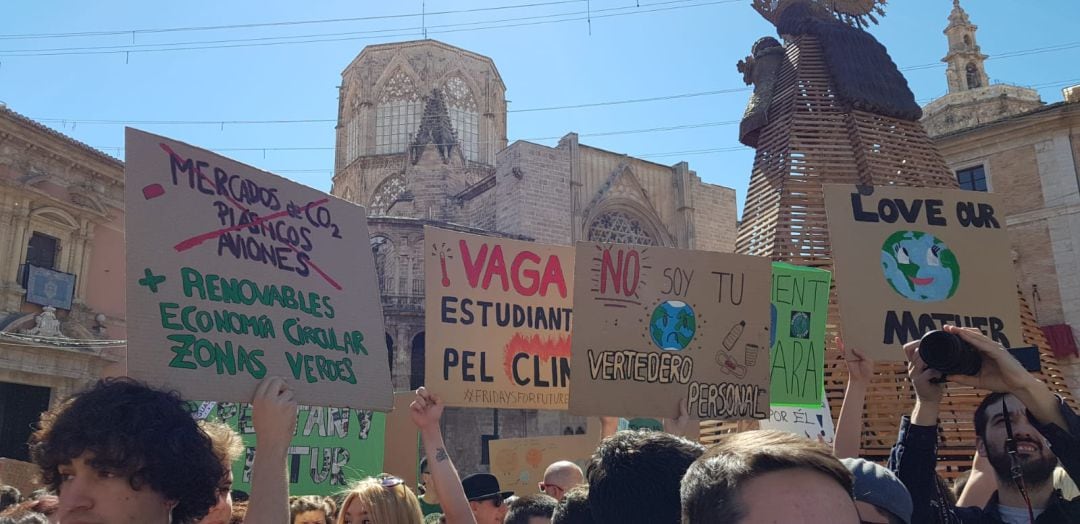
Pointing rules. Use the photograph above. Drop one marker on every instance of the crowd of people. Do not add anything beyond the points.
(123, 452)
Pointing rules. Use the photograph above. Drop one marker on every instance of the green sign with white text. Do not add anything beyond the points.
(332, 447)
(800, 305)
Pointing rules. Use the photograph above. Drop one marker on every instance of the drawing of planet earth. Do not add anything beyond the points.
(919, 266)
(672, 325)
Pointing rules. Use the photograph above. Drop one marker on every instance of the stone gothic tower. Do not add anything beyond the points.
(965, 59)
(395, 99)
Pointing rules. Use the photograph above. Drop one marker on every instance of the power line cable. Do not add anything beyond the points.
(260, 41)
(28, 36)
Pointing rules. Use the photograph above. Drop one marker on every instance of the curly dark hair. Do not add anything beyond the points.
(146, 434)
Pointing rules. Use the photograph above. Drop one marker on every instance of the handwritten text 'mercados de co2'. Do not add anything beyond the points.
(283, 238)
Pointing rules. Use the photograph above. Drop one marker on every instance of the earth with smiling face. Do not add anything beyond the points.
(919, 266)
(672, 325)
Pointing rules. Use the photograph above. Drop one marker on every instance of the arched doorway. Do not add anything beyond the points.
(416, 376)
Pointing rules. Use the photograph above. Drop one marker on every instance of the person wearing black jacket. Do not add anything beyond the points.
(1044, 428)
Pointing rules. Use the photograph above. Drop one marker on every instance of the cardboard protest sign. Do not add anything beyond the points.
(909, 260)
(814, 423)
(800, 305)
(332, 447)
(656, 326)
(498, 320)
(235, 274)
(402, 450)
(24, 476)
(519, 463)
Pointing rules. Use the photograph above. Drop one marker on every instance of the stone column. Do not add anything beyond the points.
(17, 247)
(402, 360)
(86, 243)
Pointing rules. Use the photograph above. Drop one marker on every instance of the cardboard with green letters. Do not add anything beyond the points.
(909, 260)
(800, 305)
(235, 274)
(332, 447)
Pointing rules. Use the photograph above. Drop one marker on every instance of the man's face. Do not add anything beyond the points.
(809, 497)
(1036, 459)
(93, 496)
(221, 513)
(487, 512)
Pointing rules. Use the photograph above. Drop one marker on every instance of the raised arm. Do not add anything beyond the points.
(849, 426)
(274, 417)
(914, 456)
(426, 411)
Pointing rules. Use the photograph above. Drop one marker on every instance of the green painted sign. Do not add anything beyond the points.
(800, 306)
(332, 447)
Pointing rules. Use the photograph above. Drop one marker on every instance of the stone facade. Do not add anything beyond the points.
(1028, 152)
(61, 209)
(454, 174)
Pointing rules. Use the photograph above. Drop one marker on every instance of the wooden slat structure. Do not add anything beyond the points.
(814, 136)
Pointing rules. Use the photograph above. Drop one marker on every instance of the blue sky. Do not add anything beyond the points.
(547, 58)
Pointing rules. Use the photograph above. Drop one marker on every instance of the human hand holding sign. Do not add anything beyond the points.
(929, 387)
(273, 412)
(678, 425)
(426, 410)
(860, 367)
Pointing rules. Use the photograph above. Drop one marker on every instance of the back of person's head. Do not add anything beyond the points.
(712, 484)
(228, 446)
(981, 418)
(574, 508)
(634, 476)
(239, 512)
(522, 510)
(875, 485)
(310, 506)
(146, 435)
(9, 496)
(385, 498)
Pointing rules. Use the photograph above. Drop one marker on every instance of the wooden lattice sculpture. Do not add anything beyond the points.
(830, 106)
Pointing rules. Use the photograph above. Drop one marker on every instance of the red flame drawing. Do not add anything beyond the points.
(558, 346)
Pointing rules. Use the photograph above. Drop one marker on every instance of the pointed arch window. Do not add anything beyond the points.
(973, 79)
(397, 115)
(620, 227)
(464, 117)
(387, 194)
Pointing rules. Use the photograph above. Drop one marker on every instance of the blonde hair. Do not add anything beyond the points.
(225, 441)
(397, 504)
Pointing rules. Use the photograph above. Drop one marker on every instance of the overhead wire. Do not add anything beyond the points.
(361, 35)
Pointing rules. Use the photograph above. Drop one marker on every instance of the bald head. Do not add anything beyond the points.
(560, 477)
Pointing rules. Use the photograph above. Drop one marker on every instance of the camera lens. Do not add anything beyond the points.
(949, 354)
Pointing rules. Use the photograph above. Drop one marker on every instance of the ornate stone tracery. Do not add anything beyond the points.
(620, 226)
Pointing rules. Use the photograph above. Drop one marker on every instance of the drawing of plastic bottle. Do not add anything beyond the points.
(733, 335)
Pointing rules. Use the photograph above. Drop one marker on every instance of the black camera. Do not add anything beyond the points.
(952, 355)
(949, 354)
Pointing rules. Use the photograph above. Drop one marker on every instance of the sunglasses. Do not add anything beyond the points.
(390, 481)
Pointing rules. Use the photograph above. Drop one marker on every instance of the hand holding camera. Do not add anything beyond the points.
(983, 364)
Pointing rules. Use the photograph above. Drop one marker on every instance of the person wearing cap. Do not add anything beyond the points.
(880, 497)
(485, 497)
